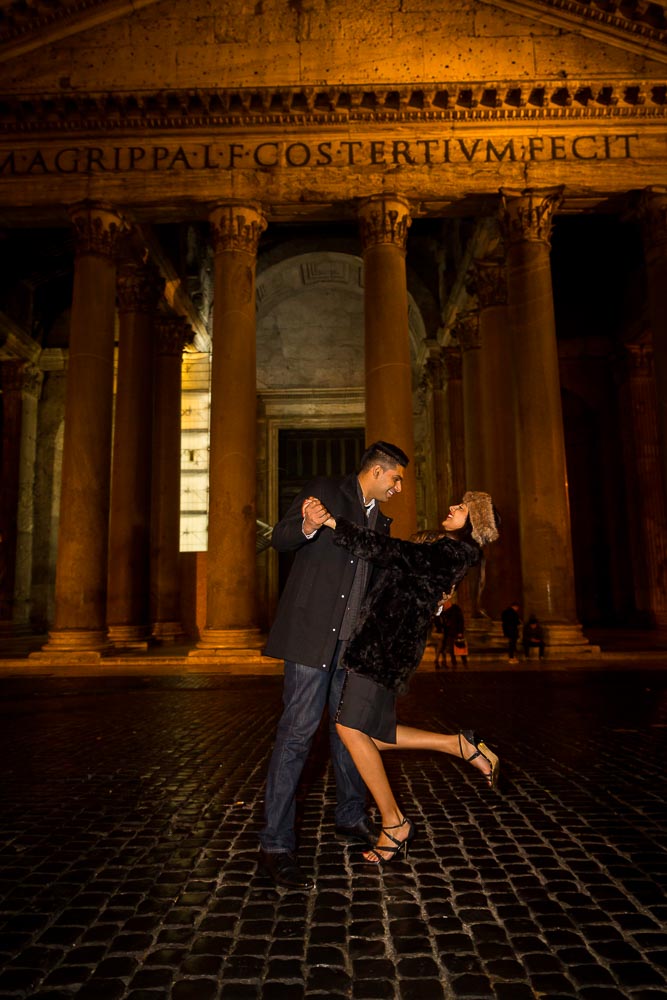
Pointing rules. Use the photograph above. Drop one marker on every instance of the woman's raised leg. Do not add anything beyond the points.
(408, 738)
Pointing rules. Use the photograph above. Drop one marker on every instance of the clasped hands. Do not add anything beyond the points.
(315, 514)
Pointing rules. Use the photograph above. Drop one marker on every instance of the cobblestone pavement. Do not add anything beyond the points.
(129, 812)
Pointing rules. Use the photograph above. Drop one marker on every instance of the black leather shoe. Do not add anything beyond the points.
(363, 832)
(283, 869)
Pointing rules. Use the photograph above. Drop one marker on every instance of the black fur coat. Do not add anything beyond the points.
(394, 621)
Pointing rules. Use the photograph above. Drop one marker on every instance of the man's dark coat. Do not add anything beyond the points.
(396, 613)
(311, 608)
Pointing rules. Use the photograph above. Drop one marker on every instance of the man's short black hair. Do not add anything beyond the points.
(384, 454)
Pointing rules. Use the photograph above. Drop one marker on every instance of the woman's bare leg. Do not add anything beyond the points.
(366, 756)
(408, 738)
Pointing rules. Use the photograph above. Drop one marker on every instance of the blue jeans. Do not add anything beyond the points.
(305, 694)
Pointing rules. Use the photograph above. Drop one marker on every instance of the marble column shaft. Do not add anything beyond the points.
(467, 335)
(436, 383)
(12, 375)
(645, 494)
(499, 475)
(384, 222)
(453, 392)
(128, 601)
(653, 212)
(81, 573)
(171, 334)
(546, 546)
(231, 569)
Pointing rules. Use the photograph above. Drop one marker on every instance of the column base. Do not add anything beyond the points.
(565, 642)
(129, 637)
(485, 635)
(73, 645)
(237, 645)
(15, 630)
(168, 633)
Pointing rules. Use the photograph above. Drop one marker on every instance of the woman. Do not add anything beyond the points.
(388, 644)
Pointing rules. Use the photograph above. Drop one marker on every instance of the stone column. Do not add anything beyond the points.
(171, 335)
(433, 385)
(653, 212)
(384, 222)
(231, 566)
(453, 389)
(544, 516)
(497, 420)
(30, 392)
(21, 383)
(81, 573)
(128, 600)
(645, 494)
(48, 484)
(466, 332)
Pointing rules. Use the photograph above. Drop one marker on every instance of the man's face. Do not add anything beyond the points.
(385, 483)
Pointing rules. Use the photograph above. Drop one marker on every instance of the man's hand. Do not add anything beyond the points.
(314, 515)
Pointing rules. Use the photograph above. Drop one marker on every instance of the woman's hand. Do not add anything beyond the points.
(315, 515)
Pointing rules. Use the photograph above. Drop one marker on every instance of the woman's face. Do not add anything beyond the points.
(456, 518)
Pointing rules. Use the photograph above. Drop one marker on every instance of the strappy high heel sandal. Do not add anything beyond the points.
(481, 750)
(400, 845)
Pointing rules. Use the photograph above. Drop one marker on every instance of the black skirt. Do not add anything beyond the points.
(368, 707)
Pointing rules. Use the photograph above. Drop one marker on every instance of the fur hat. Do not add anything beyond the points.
(482, 516)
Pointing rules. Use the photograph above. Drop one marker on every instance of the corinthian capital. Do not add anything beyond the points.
(140, 286)
(653, 213)
(489, 279)
(20, 376)
(638, 359)
(236, 226)
(384, 219)
(467, 330)
(97, 229)
(527, 216)
(433, 374)
(172, 334)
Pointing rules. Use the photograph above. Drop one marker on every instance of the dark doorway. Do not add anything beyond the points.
(304, 454)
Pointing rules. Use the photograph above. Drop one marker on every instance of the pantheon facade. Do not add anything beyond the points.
(240, 240)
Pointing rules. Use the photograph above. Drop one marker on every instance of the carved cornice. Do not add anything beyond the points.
(170, 110)
(236, 227)
(489, 279)
(172, 334)
(527, 216)
(384, 219)
(97, 229)
(139, 287)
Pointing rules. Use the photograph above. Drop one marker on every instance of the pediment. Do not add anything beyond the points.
(637, 26)
(26, 27)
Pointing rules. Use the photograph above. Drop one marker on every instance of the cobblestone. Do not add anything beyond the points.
(129, 812)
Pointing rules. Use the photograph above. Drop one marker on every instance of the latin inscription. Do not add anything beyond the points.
(85, 159)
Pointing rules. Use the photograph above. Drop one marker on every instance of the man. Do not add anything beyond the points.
(511, 620)
(316, 615)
